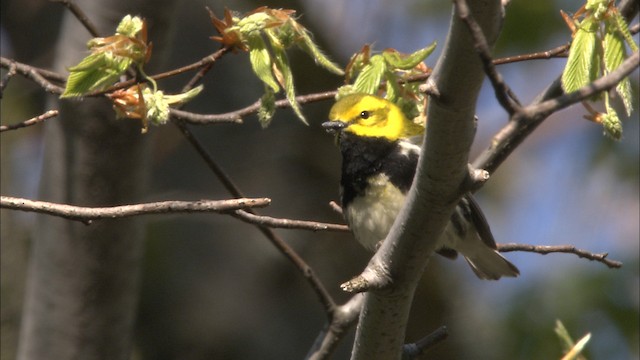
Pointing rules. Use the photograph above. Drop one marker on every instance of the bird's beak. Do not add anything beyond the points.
(334, 126)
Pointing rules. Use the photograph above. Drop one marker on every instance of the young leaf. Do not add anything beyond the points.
(282, 64)
(267, 107)
(575, 351)
(584, 59)
(570, 349)
(611, 122)
(261, 61)
(368, 81)
(614, 54)
(623, 28)
(308, 46)
(130, 26)
(95, 72)
(407, 62)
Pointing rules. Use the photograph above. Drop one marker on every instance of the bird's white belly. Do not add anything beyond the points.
(371, 216)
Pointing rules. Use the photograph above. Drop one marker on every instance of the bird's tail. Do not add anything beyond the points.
(469, 233)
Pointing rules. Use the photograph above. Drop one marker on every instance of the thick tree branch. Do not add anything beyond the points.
(87, 214)
(436, 190)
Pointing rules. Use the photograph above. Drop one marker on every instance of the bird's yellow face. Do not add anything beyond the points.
(371, 116)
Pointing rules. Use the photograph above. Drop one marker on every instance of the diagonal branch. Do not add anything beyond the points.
(503, 93)
(323, 295)
(523, 123)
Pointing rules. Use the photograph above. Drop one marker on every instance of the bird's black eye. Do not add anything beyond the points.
(364, 115)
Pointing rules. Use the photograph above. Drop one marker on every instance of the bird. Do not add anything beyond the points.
(380, 149)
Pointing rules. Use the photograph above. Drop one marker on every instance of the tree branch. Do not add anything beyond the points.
(287, 223)
(87, 214)
(80, 15)
(436, 189)
(417, 349)
(570, 249)
(524, 122)
(342, 319)
(323, 295)
(33, 74)
(503, 93)
(203, 119)
(33, 121)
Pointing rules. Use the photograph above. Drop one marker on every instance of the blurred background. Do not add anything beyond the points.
(214, 287)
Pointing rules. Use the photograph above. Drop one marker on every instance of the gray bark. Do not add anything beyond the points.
(437, 188)
(82, 282)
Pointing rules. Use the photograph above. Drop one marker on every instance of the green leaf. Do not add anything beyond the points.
(95, 72)
(369, 79)
(261, 61)
(282, 64)
(308, 46)
(130, 26)
(623, 28)
(584, 59)
(267, 107)
(250, 26)
(157, 106)
(565, 339)
(408, 62)
(183, 97)
(394, 91)
(611, 122)
(598, 8)
(614, 54)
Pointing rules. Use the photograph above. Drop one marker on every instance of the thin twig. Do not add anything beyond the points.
(287, 223)
(34, 120)
(204, 62)
(503, 93)
(32, 73)
(547, 249)
(323, 295)
(604, 83)
(523, 123)
(201, 119)
(253, 108)
(417, 349)
(7, 77)
(560, 51)
(80, 15)
(86, 214)
(306, 270)
(341, 320)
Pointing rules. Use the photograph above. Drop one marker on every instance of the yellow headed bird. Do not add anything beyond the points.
(379, 161)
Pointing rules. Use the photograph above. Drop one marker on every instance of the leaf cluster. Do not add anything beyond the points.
(598, 48)
(266, 34)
